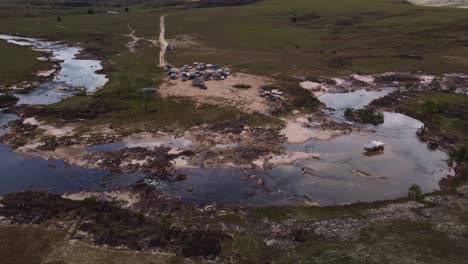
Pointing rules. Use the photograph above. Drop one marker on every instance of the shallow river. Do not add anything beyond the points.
(405, 161)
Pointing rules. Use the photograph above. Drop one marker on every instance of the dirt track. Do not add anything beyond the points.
(162, 41)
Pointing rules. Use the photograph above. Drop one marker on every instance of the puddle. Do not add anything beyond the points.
(75, 73)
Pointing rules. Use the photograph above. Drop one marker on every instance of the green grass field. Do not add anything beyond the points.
(329, 37)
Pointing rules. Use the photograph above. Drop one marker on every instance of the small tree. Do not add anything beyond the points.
(429, 109)
(294, 18)
(414, 192)
(348, 112)
(457, 156)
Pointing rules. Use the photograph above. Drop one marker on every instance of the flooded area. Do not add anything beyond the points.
(345, 173)
(341, 173)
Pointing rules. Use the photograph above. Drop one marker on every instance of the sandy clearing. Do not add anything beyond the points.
(440, 3)
(222, 92)
(181, 163)
(50, 130)
(29, 147)
(364, 78)
(145, 137)
(162, 41)
(426, 79)
(299, 131)
(74, 154)
(125, 196)
(315, 88)
(46, 73)
(286, 159)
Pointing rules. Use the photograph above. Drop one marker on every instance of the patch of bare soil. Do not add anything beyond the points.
(301, 128)
(223, 92)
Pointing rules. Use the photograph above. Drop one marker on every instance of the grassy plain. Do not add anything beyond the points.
(329, 37)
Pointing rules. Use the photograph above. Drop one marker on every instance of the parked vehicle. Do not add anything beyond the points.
(374, 146)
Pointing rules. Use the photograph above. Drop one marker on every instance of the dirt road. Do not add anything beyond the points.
(162, 41)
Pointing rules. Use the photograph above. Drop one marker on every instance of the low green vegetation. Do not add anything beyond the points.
(7, 100)
(365, 115)
(18, 64)
(444, 113)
